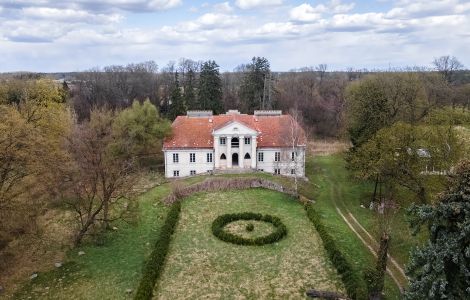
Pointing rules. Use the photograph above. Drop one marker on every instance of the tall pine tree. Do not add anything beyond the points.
(210, 88)
(255, 90)
(177, 105)
(189, 93)
(440, 269)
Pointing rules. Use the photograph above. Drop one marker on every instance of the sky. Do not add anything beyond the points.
(77, 35)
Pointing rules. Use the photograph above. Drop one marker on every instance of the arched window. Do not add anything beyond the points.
(223, 156)
(235, 142)
(247, 156)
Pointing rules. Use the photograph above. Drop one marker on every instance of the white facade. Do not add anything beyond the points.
(234, 148)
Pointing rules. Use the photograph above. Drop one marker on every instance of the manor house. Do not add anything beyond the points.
(267, 141)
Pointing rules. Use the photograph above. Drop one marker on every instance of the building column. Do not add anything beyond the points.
(241, 154)
(229, 152)
(216, 153)
(254, 159)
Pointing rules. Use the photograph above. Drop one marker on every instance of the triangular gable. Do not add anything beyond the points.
(234, 127)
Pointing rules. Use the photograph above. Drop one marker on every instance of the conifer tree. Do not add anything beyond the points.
(440, 268)
(189, 93)
(177, 105)
(210, 88)
(255, 89)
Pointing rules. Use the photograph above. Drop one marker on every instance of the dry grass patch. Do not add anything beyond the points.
(327, 147)
(200, 266)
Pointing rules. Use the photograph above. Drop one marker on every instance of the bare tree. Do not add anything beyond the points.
(292, 156)
(321, 69)
(447, 66)
(98, 176)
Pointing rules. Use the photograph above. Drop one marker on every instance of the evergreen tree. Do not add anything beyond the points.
(440, 268)
(255, 90)
(210, 88)
(189, 94)
(177, 105)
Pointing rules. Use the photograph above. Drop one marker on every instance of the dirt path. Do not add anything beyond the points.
(393, 268)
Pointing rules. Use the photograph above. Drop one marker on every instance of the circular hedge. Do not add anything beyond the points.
(221, 221)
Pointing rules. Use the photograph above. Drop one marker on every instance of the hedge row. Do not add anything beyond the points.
(221, 221)
(353, 283)
(156, 261)
(224, 184)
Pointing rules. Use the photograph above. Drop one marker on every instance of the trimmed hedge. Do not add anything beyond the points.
(355, 286)
(156, 261)
(221, 221)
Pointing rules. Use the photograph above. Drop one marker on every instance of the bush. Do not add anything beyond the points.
(221, 221)
(353, 283)
(156, 261)
(250, 227)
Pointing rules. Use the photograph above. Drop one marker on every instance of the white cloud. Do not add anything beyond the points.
(248, 4)
(69, 15)
(66, 32)
(223, 7)
(338, 7)
(306, 13)
(96, 5)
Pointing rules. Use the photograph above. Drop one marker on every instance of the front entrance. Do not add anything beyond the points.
(235, 160)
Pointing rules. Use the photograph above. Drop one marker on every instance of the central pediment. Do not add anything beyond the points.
(234, 128)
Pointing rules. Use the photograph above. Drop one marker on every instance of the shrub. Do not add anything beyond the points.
(250, 227)
(221, 221)
(224, 184)
(156, 261)
(352, 281)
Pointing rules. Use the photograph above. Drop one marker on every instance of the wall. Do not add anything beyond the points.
(285, 165)
(201, 166)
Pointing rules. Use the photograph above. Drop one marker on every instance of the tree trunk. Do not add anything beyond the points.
(381, 268)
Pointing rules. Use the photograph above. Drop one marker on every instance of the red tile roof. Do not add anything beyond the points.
(196, 132)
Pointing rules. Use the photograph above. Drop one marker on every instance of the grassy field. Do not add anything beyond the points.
(200, 266)
(334, 186)
(107, 271)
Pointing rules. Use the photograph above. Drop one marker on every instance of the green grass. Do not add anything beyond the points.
(333, 183)
(105, 272)
(200, 265)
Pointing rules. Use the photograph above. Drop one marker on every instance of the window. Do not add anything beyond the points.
(235, 142)
(176, 157)
(277, 156)
(292, 171)
(247, 141)
(277, 171)
(223, 141)
(209, 157)
(223, 156)
(192, 157)
(176, 173)
(260, 156)
(293, 156)
(192, 172)
(247, 156)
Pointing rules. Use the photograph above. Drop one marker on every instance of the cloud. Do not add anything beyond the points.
(96, 5)
(69, 15)
(420, 8)
(249, 4)
(223, 7)
(306, 13)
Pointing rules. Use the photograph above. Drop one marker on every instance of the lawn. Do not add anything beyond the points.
(200, 266)
(334, 186)
(107, 271)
